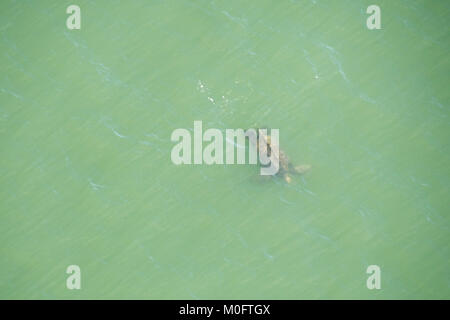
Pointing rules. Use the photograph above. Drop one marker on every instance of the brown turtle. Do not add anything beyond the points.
(286, 168)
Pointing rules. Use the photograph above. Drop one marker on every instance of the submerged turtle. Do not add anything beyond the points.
(285, 167)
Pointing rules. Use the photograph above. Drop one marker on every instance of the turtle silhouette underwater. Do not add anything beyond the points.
(285, 167)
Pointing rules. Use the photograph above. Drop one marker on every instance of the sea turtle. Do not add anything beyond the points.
(285, 167)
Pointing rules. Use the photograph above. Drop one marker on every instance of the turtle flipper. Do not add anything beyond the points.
(302, 168)
(287, 178)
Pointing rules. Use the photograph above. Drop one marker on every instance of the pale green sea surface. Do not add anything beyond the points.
(86, 176)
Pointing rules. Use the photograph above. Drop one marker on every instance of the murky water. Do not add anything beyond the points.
(86, 176)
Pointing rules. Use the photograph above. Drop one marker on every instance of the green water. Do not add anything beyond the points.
(85, 171)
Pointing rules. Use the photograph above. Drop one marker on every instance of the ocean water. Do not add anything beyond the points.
(86, 176)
